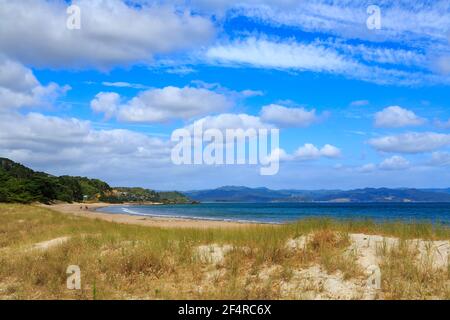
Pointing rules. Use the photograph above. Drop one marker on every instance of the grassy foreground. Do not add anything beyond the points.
(135, 262)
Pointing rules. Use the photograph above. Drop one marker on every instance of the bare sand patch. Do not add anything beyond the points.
(45, 245)
(368, 248)
(213, 253)
(298, 243)
(434, 253)
(316, 284)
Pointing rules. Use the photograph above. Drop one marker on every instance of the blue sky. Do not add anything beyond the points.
(103, 100)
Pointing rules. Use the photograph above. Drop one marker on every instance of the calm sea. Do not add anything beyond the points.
(288, 212)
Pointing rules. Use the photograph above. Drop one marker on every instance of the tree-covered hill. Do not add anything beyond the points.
(21, 184)
(174, 197)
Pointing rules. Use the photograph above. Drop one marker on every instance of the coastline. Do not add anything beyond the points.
(92, 213)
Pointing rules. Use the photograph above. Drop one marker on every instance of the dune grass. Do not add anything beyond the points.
(135, 262)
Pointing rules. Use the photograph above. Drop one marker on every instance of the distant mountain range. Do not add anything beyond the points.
(245, 194)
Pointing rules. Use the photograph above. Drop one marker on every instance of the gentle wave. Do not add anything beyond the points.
(279, 213)
(154, 215)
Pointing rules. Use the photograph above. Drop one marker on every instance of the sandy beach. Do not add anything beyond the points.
(74, 208)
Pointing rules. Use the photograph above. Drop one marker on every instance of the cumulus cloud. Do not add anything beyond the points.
(53, 142)
(112, 32)
(412, 142)
(279, 154)
(230, 121)
(162, 105)
(307, 152)
(330, 151)
(288, 117)
(311, 152)
(31, 139)
(396, 117)
(394, 163)
(389, 164)
(106, 103)
(20, 88)
(250, 126)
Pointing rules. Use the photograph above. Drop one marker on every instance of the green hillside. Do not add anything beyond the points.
(19, 184)
(174, 197)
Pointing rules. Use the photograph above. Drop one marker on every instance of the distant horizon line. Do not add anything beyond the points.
(299, 189)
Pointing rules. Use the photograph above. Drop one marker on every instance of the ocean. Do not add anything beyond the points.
(288, 212)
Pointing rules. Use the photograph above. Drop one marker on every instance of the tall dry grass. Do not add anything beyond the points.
(135, 262)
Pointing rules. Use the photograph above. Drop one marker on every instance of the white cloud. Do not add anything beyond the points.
(278, 154)
(420, 30)
(180, 70)
(240, 126)
(311, 152)
(389, 164)
(112, 32)
(31, 139)
(440, 159)
(442, 64)
(317, 56)
(443, 124)
(288, 117)
(271, 117)
(404, 21)
(383, 55)
(265, 53)
(370, 167)
(231, 121)
(396, 117)
(442, 58)
(330, 151)
(107, 103)
(307, 152)
(252, 93)
(162, 105)
(413, 142)
(394, 163)
(122, 84)
(251, 124)
(359, 103)
(20, 88)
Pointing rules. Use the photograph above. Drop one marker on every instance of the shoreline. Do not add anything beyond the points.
(149, 221)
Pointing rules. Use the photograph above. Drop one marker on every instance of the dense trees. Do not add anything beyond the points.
(21, 184)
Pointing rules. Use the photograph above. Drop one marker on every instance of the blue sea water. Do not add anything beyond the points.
(289, 212)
